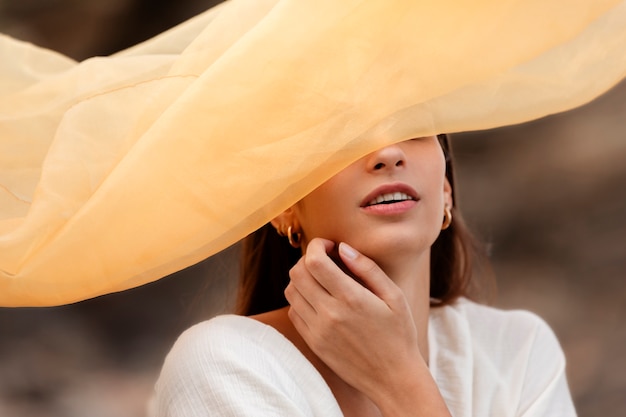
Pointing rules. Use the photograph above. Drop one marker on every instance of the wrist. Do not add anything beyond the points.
(412, 392)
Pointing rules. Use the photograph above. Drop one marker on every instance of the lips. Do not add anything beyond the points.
(389, 194)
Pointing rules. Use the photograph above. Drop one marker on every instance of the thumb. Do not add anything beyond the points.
(368, 272)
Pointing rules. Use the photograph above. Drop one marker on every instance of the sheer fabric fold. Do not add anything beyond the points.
(119, 170)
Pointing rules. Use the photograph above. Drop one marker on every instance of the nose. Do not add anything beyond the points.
(387, 158)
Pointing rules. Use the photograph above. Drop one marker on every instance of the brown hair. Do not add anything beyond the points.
(267, 258)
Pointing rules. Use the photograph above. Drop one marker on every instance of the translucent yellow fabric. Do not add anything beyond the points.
(117, 171)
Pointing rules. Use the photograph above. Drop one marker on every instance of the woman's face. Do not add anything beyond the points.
(387, 202)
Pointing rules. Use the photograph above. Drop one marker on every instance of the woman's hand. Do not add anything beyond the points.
(364, 333)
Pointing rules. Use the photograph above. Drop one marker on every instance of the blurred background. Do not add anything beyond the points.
(547, 197)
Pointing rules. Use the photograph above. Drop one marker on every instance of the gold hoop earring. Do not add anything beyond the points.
(294, 238)
(447, 218)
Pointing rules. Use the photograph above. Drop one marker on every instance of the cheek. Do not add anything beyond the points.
(331, 217)
(315, 216)
(435, 203)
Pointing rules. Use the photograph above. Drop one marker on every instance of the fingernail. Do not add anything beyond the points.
(347, 250)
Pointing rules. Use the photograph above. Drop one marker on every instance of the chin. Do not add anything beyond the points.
(387, 248)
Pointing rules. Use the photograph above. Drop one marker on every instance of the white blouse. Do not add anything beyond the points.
(486, 362)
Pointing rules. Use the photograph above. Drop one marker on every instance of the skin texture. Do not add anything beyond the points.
(364, 276)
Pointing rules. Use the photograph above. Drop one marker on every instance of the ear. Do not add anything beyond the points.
(447, 194)
(284, 220)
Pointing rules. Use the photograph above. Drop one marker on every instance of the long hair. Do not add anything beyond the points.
(267, 258)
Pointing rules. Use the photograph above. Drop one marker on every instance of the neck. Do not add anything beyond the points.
(412, 275)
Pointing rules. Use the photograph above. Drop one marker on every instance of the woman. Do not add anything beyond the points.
(118, 171)
(376, 322)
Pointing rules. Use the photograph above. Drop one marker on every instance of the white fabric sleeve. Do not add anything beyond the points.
(545, 392)
(220, 369)
(489, 362)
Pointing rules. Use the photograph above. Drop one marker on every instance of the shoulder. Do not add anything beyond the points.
(235, 365)
(493, 326)
(209, 349)
(216, 338)
(506, 337)
(219, 333)
(508, 360)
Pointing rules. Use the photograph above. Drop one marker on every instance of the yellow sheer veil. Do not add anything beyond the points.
(119, 170)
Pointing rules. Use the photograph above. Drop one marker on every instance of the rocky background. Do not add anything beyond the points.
(548, 198)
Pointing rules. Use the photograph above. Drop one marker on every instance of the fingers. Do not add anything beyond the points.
(369, 273)
(303, 286)
(305, 293)
(319, 264)
(301, 311)
(317, 271)
(317, 282)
